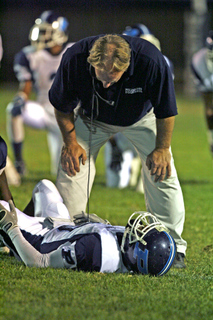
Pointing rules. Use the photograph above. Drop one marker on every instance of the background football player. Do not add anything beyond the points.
(35, 67)
(202, 67)
(123, 166)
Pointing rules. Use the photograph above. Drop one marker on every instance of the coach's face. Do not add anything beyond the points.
(108, 78)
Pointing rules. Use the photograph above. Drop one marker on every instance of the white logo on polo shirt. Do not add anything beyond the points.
(133, 90)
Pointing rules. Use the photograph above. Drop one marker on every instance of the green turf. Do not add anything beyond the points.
(30, 293)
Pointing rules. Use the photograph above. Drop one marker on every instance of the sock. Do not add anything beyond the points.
(17, 149)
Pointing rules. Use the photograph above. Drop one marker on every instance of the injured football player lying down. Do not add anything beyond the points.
(89, 243)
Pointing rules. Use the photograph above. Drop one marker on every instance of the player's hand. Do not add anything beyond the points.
(159, 163)
(8, 218)
(71, 158)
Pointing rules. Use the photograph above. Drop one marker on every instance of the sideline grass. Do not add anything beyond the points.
(31, 293)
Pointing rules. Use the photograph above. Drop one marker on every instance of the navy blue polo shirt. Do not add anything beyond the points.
(3, 153)
(147, 83)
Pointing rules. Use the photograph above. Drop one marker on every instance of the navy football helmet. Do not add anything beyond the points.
(147, 247)
(141, 31)
(49, 30)
(136, 30)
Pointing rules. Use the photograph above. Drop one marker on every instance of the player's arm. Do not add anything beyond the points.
(72, 152)
(24, 76)
(21, 97)
(25, 87)
(28, 254)
(5, 193)
(159, 160)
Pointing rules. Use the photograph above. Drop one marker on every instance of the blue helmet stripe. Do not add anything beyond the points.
(64, 24)
(171, 256)
(132, 32)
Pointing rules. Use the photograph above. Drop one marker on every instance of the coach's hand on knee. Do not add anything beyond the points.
(71, 157)
(159, 164)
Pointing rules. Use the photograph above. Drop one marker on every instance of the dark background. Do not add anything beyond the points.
(165, 19)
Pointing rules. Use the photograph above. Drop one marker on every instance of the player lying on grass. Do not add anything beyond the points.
(143, 246)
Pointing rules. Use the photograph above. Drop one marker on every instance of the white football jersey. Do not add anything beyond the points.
(204, 77)
(40, 67)
(88, 247)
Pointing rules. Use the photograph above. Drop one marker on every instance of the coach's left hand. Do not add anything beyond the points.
(71, 157)
(159, 163)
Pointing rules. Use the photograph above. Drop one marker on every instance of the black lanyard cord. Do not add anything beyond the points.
(94, 103)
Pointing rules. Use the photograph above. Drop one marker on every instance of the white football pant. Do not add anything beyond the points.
(35, 116)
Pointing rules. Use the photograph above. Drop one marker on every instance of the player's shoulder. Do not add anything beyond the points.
(24, 53)
(199, 55)
(29, 49)
(2, 143)
(3, 153)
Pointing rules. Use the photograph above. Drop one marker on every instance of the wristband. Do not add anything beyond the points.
(71, 130)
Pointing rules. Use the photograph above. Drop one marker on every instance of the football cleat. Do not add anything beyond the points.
(179, 261)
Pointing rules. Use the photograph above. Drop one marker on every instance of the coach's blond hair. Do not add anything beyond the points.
(102, 54)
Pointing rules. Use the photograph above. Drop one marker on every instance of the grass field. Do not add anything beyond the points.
(31, 293)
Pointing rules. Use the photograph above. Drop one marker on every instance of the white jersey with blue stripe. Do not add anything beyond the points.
(204, 78)
(39, 66)
(89, 247)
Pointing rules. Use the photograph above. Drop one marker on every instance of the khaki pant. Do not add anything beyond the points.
(163, 199)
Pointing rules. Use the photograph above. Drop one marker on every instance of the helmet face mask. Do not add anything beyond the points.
(48, 31)
(140, 224)
(147, 247)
